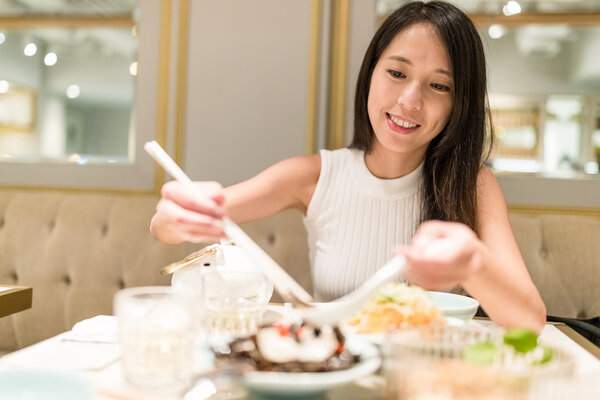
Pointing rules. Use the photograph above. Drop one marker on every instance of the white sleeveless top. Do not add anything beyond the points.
(356, 220)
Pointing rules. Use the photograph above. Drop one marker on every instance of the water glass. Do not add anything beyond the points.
(234, 301)
(156, 337)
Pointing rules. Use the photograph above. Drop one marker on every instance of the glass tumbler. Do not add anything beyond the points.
(234, 301)
(156, 337)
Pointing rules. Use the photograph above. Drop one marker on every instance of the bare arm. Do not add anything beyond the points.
(192, 213)
(287, 184)
(503, 285)
(444, 254)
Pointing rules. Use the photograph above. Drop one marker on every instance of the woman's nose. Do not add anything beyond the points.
(411, 98)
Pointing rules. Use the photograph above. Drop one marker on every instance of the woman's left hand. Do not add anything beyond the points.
(442, 255)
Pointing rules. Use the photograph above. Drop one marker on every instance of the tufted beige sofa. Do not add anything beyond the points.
(76, 250)
(562, 253)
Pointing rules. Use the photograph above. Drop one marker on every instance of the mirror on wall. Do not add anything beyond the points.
(543, 82)
(67, 81)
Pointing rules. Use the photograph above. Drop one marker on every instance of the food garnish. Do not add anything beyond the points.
(396, 306)
(521, 342)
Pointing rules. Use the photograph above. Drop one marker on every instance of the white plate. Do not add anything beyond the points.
(295, 384)
(379, 338)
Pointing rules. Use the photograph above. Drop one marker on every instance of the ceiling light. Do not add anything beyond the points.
(2, 37)
(30, 49)
(4, 86)
(50, 59)
(496, 31)
(511, 8)
(133, 68)
(73, 91)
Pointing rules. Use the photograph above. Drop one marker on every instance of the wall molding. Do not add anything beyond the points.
(338, 73)
(181, 94)
(162, 104)
(576, 19)
(66, 21)
(536, 210)
(314, 78)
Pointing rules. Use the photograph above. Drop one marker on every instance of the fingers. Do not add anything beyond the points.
(441, 254)
(175, 214)
(190, 226)
(201, 197)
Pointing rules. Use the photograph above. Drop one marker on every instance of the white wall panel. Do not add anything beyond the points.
(248, 84)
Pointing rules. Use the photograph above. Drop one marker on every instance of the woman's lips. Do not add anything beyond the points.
(406, 129)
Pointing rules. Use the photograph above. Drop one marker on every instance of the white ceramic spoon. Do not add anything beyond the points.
(348, 305)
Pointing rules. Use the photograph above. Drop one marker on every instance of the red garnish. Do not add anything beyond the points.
(283, 329)
(340, 349)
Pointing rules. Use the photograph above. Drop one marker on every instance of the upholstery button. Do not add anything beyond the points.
(1, 223)
(51, 225)
(67, 280)
(14, 276)
(271, 239)
(104, 229)
(121, 284)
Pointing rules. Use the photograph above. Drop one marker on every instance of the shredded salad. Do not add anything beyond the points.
(395, 306)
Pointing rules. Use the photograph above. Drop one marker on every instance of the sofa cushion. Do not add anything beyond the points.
(562, 254)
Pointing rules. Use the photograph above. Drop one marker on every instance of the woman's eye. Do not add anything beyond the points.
(440, 87)
(396, 74)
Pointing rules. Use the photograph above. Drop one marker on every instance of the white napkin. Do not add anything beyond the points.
(90, 345)
(98, 329)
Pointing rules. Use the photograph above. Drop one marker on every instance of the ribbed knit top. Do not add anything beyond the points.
(355, 221)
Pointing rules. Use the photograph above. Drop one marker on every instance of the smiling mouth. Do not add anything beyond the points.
(401, 122)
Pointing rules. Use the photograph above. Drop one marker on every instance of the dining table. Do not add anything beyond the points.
(95, 356)
(14, 299)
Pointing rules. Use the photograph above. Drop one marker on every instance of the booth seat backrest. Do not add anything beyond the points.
(562, 253)
(78, 249)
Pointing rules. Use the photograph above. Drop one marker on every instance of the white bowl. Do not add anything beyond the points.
(454, 305)
(308, 384)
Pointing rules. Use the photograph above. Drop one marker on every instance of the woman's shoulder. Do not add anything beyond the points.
(486, 179)
(489, 192)
(298, 172)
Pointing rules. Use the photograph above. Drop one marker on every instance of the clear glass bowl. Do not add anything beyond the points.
(429, 363)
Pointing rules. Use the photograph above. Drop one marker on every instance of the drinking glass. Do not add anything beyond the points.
(156, 337)
(234, 301)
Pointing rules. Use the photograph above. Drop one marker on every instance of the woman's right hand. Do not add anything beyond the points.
(189, 213)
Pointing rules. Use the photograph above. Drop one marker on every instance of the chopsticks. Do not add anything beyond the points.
(282, 281)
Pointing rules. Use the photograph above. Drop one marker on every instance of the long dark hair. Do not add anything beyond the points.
(454, 157)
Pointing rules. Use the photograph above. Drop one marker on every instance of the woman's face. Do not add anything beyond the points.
(410, 97)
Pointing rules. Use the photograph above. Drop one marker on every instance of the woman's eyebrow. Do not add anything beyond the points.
(407, 61)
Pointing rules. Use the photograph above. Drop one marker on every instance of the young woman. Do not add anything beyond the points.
(413, 176)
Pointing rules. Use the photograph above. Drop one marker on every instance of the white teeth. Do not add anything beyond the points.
(401, 122)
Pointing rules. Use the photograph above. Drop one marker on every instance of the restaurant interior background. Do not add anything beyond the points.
(229, 87)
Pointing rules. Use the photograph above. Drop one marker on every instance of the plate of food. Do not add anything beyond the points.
(472, 362)
(399, 306)
(300, 360)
